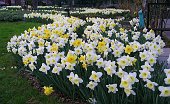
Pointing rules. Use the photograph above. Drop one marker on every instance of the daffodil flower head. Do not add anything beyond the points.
(128, 49)
(95, 76)
(112, 88)
(44, 68)
(92, 85)
(151, 85)
(125, 83)
(48, 90)
(167, 79)
(145, 74)
(129, 91)
(165, 91)
(57, 70)
(167, 71)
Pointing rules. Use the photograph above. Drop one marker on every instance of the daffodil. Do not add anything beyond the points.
(44, 68)
(32, 66)
(92, 85)
(101, 47)
(54, 48)
(110, 71)
(165, 91)
(100, 63)
(132, 77)
(82, 58)
(77, 42)
(125, 83)
(77, 80)
(71, 58)
(129, 91)
(146, 66)
(84, 65)
(151, 60)
(102, 28)
(95, 76)
(143, 55)
(69, 66)
(128, 49)
(167, 80)
(145, 74)
(48, 90)
(121, 73)
(167, 71)
(112, 88)
(74, 78)
(70, 77)
(57, 70)
(151, 85)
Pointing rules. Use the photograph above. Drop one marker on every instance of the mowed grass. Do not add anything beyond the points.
(15, 89)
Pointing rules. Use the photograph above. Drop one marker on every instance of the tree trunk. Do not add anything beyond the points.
(72, 2)
(34, 4)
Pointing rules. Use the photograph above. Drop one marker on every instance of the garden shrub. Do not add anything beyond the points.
(11, 16)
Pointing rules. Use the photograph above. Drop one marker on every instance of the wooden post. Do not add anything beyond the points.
(148, 15)
(35, 4)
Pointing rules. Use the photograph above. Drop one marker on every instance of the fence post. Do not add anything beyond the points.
(148, 16)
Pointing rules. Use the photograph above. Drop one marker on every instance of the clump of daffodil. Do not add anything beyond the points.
(103, 53)
(48, 90)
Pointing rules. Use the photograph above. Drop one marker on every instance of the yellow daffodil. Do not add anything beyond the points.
(128, 49)
(77, 42)
(48, 90)
(71, 58)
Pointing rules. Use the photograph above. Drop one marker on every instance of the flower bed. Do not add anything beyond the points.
(96, 60)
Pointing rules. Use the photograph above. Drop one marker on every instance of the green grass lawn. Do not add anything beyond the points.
(13, 88)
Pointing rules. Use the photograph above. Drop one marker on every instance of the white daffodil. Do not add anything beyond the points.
(121, 73)
(92, 85)
(69, 66)
(132, 77)
(32, 66)
(95, 76)
(112, 88)
(167, 71)
(100, 63)
(110, 71)
(129, 91)
(57, 70)
(143, 55)
(165, 91)
(125, 83)
(71, 77)
(167, 80)
(151, 60)
(44, 68)
(151, 85)
(145, 74)
(77, 80)
(74, 79)
(146, 66)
